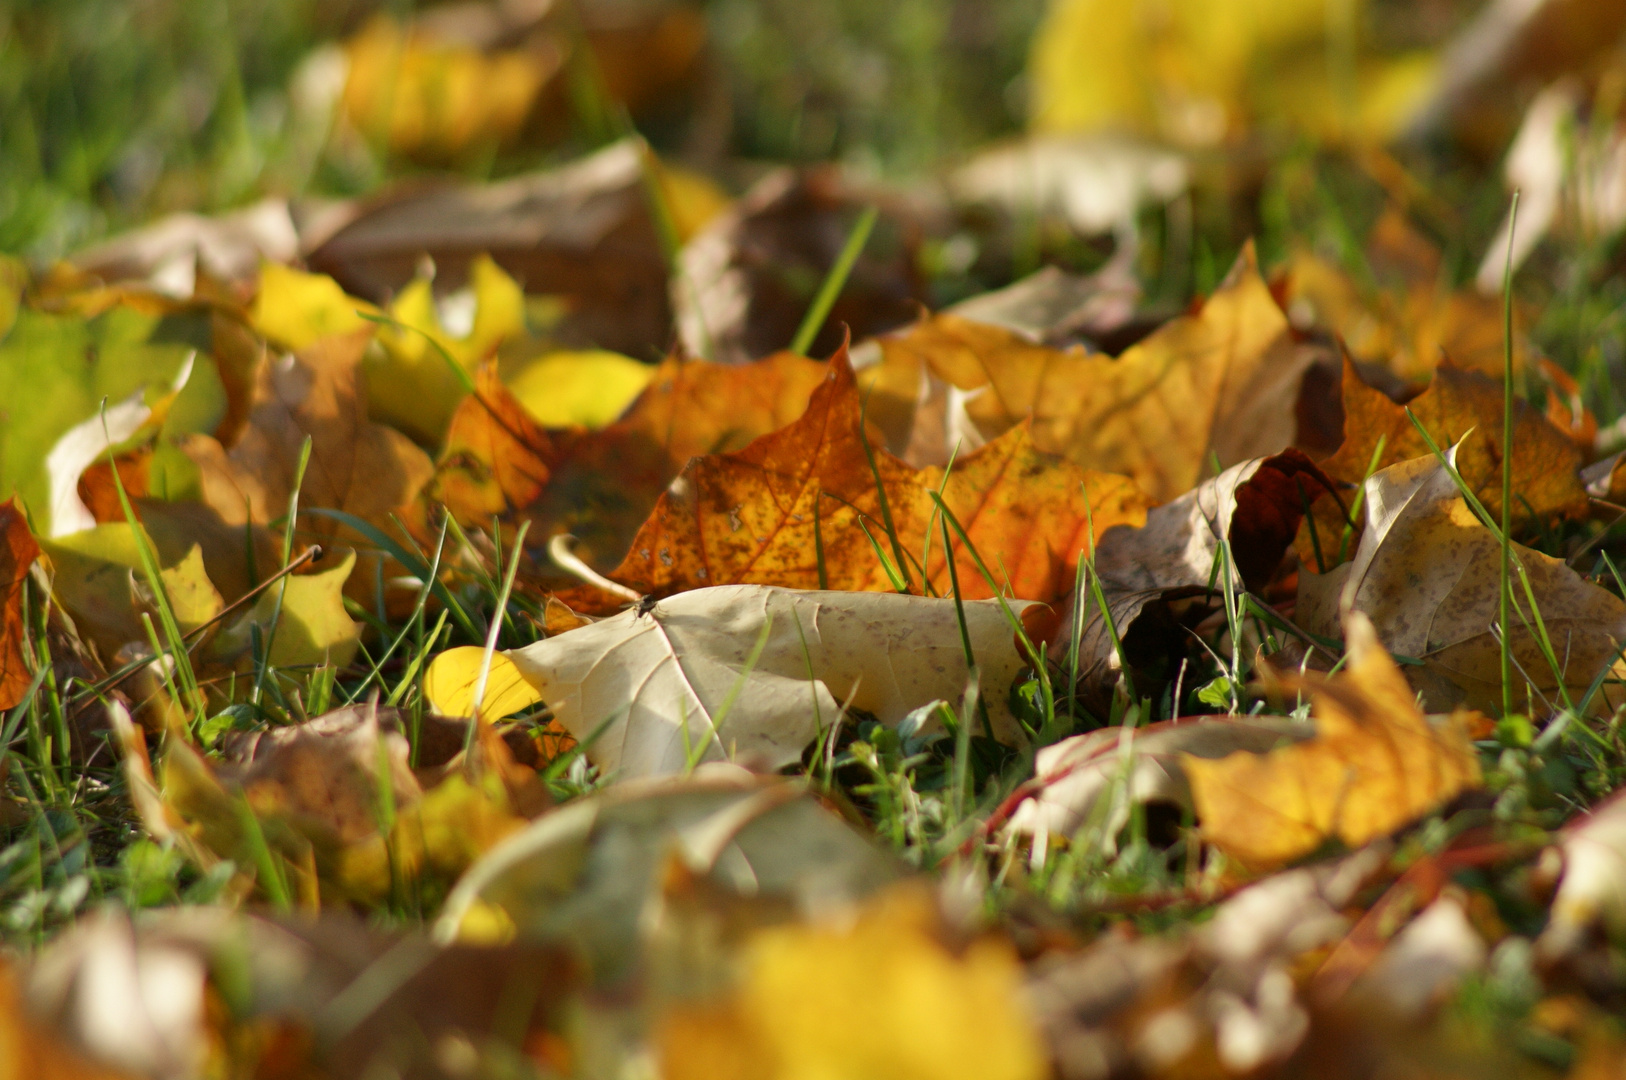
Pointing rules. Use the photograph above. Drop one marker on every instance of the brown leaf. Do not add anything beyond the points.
(765, 513)
(18, 550)
(601, 485)
(1375, 764)
(1223, 380)
(581, 232)
(748, 279)
(1427, 574)
(356, 466)
(1255, 506)
(1546, 462)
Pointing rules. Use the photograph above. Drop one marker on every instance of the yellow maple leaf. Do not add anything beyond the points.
(1375, 764)
(923, 1013)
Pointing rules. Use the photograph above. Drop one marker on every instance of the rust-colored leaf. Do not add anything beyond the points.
(601, 485)
(17, 553)
(765, 513)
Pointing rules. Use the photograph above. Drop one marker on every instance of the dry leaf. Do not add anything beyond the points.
(1404, 321)
(1254, 507)
(1198, 73)
(1592, 891)
(593, 873)
(1223, 381)
(747, 280)
(168, 254)
(1130, 766)
(581, 233)
(1375, 764)
(1427, 575)
(1546, 462)
(676, 685)
(18, 550)
(600, 486)
(926, 1011)
(356, 466)
(765, 514)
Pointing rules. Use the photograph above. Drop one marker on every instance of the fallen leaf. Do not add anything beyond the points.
(1427, 575)
(302, 622)
(926, 1011)
(32, 1049)
(581, 234)
(1134, 766)
(676, 685)
(601, 486)
(1222, 381)
(587, 389)
(1375, 764)
(356, 466)
(168, 254)
(1592, 892)
(296, 309)
(591, 873)
(1195, 74)
(1403, 319)
(1546, 462)
(765, 513)
(1247, 515)
(438, 100)
(18, 550)
(55, 371)
(333, 807)
(747, 279)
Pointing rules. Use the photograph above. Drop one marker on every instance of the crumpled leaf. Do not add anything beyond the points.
(1375, 764)
(1222, 381)
(168, 254)
(1135, 766)
(356, 466)
(1255, 507)
(18, 550)
(926, 1011)
(498, 461)
(1198, 73)
(1546, 462)
(591, 873)
(765, 513)
(1427, 575)
(675, 685)
(336, 805)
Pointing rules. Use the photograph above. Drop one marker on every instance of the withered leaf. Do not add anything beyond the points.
(765, 514)
(357, 466)
(1427, 575)
(1220, 381)
(1375, 764)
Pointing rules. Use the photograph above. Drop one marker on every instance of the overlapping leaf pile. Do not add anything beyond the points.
(1058, 683)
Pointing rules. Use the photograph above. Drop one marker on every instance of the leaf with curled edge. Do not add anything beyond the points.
(765, 513)
(657, 682)
(1223, 380)
(1376, 763)
(1427, 573)
(1255, 506)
